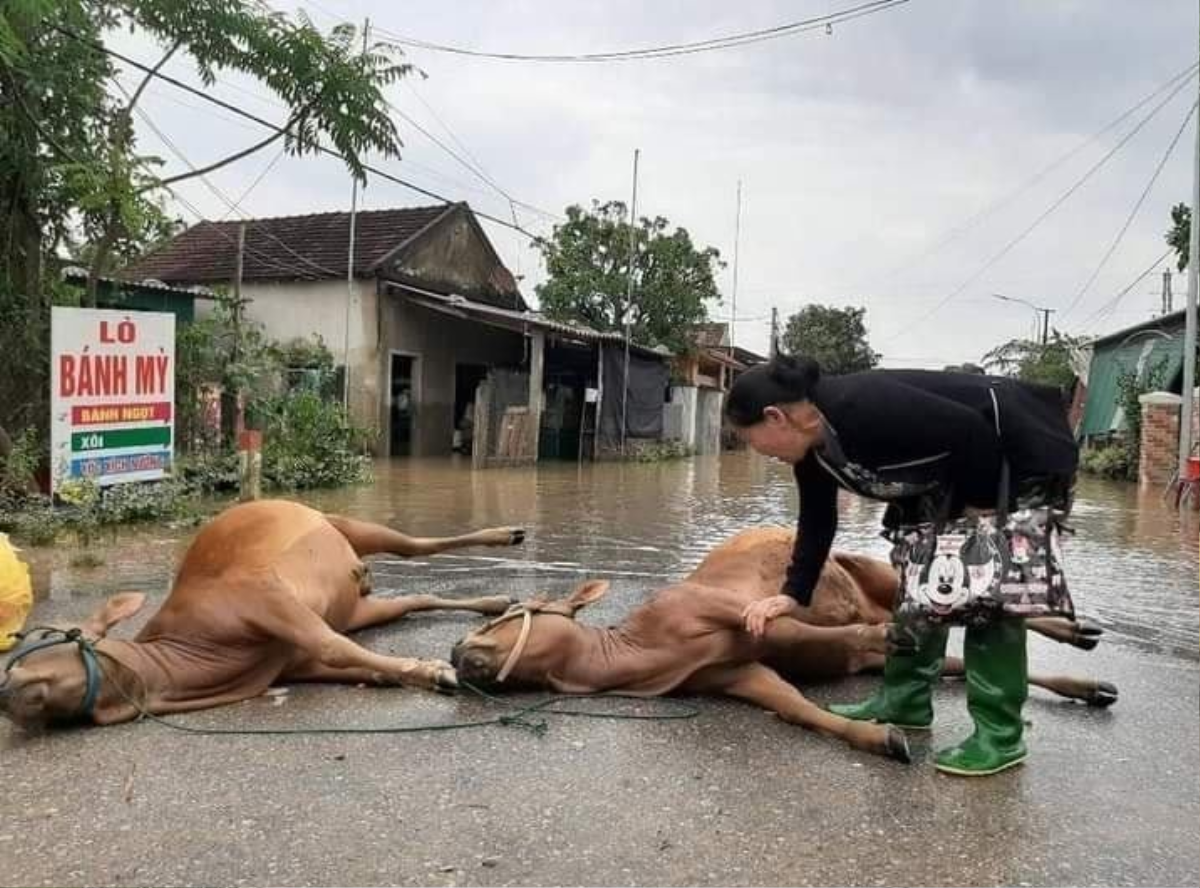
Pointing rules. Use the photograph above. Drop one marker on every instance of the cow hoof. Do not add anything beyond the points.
(1103, 695)
(445, 681)
(897, 745)
(516, 536)
(494, 605)
(1087, 635)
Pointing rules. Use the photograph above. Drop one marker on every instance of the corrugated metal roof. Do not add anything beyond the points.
(79, 276)
(1142, 350)
(518, 319)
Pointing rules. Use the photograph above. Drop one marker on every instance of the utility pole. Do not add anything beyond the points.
(231, 402)
(350, 266)
(737, 237)
(629, 298)
(1045, 324)
(1189, 337)
(1044, 312)
(1167, 296)
(774, 349)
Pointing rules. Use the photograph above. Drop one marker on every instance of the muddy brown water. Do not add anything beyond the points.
(1132, 565)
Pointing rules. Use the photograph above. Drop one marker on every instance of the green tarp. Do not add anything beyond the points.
(1102, 414)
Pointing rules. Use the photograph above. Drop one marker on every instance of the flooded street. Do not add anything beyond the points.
(1132, 565)
(731, 797)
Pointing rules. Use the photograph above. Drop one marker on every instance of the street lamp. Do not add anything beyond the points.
(1044, 312)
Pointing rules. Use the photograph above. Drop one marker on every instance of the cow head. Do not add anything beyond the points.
(527, 644)
(48, 679)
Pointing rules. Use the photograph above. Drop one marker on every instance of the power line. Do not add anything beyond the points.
(174, 149)
(472, 165)
(233, 207)
(1063, 198)
(488, 192)
(727, 41)
(250, 188)
(1112, 248)
(179, 84)
(1000, 203)
(1111, 305)
(476, 171)
(178, 197)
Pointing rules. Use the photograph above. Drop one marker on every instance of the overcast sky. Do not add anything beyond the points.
(858, 152)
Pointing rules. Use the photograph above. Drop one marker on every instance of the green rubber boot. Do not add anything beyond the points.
(906, 698)
(997, 685)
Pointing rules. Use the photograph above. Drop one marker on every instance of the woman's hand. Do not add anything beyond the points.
(758, 614)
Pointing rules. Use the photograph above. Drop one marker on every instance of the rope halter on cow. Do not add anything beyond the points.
(525, 612)
(51, 637)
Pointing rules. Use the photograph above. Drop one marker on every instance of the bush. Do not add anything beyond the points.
(208, 473)
(310, 442)
(86, 509)
(1111, 461)
(18, 468)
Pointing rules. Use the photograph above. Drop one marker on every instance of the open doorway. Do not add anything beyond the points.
(402, 405)
(466, 380)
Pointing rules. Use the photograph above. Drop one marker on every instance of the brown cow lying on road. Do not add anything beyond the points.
(689, 639)
(264, 594)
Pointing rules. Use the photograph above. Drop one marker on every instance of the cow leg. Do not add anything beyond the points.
(757, 684)
(824, 652)
(375, 611)
(1090, 690)
(1078, 634)
(317, 672)
(786, 633)
(284, 617)
(372, 539)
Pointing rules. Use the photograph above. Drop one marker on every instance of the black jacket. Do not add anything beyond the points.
(927, 441)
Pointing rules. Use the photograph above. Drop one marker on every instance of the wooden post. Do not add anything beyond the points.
(537, 362)
(482, 434)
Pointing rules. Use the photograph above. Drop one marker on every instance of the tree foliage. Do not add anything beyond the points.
(1027, 359)
(1180, 233)
(587, 260)
(835, 337)
(72, 181)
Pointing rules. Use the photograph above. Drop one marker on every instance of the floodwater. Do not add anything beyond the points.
(1132, 565)
(730, 797)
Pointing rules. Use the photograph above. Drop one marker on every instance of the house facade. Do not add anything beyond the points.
(428, 319)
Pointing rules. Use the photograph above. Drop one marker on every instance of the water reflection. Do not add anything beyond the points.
(1132, 566)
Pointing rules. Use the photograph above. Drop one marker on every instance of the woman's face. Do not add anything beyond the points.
(785, 432)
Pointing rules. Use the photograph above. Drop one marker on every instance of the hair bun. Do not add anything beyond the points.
(795, 373)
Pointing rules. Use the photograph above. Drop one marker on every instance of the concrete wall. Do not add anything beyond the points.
(438, 342)
(709, 403)
(699, 417)
(454, 256)
(302, 309)
(684, 398)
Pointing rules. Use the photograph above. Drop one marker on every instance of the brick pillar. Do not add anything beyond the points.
(1160, 436)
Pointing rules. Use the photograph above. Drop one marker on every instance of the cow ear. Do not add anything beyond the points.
(120, 607)
(589, 593)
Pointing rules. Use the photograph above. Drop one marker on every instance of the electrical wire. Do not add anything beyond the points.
(822, 22)
(1063, 198)
(1112, 248)
(317, 146)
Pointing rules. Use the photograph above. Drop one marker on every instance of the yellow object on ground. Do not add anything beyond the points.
(16, 593)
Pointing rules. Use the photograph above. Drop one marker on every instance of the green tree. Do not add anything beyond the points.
(1026, 359)
(71, 180)
(587, 260)
(1180, 233)
(835, 337)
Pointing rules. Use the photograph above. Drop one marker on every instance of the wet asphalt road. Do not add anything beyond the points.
(730, 797)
